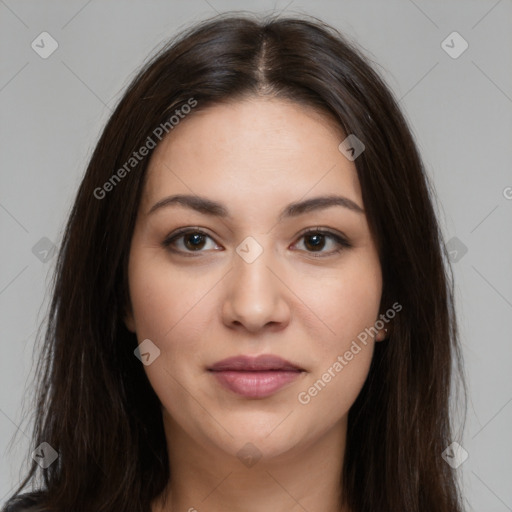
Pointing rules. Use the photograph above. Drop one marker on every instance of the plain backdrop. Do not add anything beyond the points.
(458, 104)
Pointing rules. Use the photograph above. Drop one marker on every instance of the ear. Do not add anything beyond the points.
(383, 334)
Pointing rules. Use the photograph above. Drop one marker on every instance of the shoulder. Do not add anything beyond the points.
(27, 502)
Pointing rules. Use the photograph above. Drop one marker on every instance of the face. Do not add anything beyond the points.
(254, 276)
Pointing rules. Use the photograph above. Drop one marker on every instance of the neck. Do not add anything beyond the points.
(205, 478)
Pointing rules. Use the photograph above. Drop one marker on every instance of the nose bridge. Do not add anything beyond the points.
(251, 273)
(251, 265)
(255, 296)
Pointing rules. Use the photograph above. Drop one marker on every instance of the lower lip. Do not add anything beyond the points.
(256, 384)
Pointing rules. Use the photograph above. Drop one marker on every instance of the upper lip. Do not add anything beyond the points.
(251, 363)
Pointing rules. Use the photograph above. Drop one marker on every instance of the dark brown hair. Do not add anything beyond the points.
(95, 406)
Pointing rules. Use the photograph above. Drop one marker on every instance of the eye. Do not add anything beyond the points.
(315, 241)
(192, 240)
(188, 240)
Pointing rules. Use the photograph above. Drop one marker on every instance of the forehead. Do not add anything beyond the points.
(255, 152)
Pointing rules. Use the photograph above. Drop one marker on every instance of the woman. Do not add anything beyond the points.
(252, 309)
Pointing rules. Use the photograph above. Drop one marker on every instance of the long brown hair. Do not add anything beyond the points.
(95, 406)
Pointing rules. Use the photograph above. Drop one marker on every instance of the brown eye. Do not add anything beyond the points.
(194, 241)
(316, 240)
(188, 241)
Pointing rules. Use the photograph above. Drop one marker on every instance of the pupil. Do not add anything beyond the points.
(319, 241)
(197, 241)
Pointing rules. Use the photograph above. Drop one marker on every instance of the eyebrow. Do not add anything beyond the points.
(216, 209)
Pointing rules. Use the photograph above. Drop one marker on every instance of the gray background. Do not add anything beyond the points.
(460, 110)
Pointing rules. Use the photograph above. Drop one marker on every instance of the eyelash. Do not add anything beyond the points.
(341, 241)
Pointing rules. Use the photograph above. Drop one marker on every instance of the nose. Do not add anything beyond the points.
(256, 296)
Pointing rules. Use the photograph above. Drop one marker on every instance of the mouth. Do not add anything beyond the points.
(255, 377)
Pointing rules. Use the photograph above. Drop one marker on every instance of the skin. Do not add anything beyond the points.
(254, 155)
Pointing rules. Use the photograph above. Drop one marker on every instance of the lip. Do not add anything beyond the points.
(262, 362)
(255, 377)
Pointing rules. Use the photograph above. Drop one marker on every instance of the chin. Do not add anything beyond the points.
(270, 437)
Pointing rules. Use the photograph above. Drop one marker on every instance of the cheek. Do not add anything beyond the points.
(348, 305)
(173, 308)
(346, 302)
(163, 298)
(342, 360)
(170, 309)
(331, 392)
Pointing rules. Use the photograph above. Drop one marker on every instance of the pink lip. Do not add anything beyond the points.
(255, 377)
